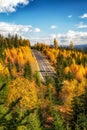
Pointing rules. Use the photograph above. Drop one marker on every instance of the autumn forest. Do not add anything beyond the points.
(28, 103)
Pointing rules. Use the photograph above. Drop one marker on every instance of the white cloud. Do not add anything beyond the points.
(22, 30)
(10, 5)
(37, 30)
(63, 39)
(6, 28)
(81, 25)
(53, 27)
(70, 16)
(78, 37)
(83, 16)
(75, 36)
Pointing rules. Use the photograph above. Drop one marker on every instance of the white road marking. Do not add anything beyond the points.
(44, 66)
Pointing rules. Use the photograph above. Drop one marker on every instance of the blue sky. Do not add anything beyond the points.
(42, 20)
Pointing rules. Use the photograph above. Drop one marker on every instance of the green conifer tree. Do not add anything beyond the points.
(27, 71)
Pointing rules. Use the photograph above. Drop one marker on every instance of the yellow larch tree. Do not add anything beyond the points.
(25, 89)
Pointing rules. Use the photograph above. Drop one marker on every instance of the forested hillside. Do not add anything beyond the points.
(27, 103)
(18, 89)
(70, 65)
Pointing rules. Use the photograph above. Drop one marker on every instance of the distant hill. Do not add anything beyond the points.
(84, 46)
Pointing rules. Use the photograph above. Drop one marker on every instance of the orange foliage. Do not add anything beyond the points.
(20, 55)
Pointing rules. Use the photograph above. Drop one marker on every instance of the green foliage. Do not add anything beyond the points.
(16, 40)
(3, 93)
(69, 76)
(57, 121)
(9, 41)
(67, 61)
(27, 71)
(34, 121)
(4, 88)
(59, 73)
(4, 79)
(37, 78)
(79, 112)
(17, 67)
(12, 41)
(15, 121)
(49, 80)
(10, 118)
(84, 61)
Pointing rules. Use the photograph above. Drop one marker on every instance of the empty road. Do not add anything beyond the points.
(44, 66)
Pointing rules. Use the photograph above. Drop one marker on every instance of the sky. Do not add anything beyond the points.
(44, 20)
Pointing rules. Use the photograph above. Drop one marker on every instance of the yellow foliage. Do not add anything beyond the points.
(21, 55)
(67, 69)
(70, 90)
(78, 70)
(74, 68)
(25, 89)
(1, 67)
(86, 71)
(4, 70)
(82, 69)
(79, 76)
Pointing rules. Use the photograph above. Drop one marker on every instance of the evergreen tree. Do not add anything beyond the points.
(49, 80)
(16, 40)
(27, 42)
(58, 123)
(59, 73)
(78, 119)
(21, 41)
(17, 66)
(2, 46)
(34, 120)
(10, 45)
(27, 71)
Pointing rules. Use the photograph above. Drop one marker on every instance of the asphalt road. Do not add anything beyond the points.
(44, 66)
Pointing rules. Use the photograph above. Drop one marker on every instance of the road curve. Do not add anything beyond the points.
(44, 66)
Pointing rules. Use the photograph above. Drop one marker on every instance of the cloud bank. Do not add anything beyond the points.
(28, 31)
(23, 30)
(10, 5)
(77, 37)
(63, 39)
